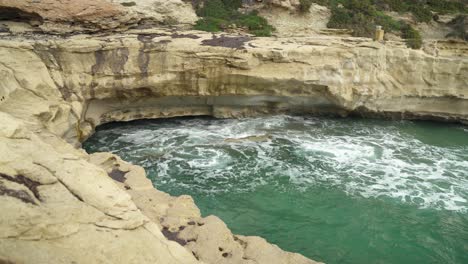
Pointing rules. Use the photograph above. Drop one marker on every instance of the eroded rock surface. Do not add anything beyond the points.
(94, 16)
(62, 16)
(79, 82)
(208, 239)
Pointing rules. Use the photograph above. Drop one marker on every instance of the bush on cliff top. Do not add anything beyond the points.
(412, 37)
(218, 15)
(362, 16)
(459, 29)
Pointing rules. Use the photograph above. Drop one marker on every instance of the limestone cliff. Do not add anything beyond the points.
(62, 205)
(151, 74)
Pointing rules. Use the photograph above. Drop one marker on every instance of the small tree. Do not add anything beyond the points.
(412, 36)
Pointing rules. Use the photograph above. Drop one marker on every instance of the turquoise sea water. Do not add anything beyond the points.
(335, 190)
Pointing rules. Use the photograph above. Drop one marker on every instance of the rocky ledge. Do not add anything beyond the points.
(61, 205)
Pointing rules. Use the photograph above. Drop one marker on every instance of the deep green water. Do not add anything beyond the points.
(335, 190)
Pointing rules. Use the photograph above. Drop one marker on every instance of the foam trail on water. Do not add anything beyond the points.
(362, 158)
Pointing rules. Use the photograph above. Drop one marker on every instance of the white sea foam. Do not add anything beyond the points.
(359, 158)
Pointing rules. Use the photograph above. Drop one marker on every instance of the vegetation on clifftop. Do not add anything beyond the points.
(218, 15)
(362, 16)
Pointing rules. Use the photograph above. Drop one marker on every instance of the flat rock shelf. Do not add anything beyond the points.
(334, 190)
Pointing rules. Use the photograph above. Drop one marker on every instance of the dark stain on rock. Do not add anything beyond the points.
(225, 254)
(201, 224)
(20, 179)
(240, 241)
(115, 59)
(118, 175)
(173, 236)
(227, 42)
(127, 187)
(137, 92)
(221, 249)
(51, 57)
(149, 37)
(20, 194)
(164, 41)
(4, 261)
(100, 61)
(181, 228)
(190, 36)
(143, 61)
(144, 52)
(191, 223)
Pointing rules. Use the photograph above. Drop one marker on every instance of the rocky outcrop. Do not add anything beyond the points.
(65, 16)
(91, 16)
(287, 4)
(208, 239)
(60, 208)
(152, 74)
(65, 205)
(293, 24)
(163, 12)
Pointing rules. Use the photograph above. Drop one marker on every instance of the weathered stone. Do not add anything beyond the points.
(67, 206)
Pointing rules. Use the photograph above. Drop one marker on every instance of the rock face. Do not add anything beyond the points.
(60, 208)
(292, 24)
(169, 12)
(152, 74)
(66, 206)
(71, 16)
(288, 4)
(63, 16)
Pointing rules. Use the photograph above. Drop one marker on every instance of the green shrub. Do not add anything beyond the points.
(304, 5)
(210, 24)
(213, 8)
(219, 14)
(458, 25)
(360, 6)
(340, 18)
(388, 23)
(362, 24)
(421, 13)
(446, 7)
(257, 25)
(412, 37)
(232, 4)
(362, 16)
(393, 5)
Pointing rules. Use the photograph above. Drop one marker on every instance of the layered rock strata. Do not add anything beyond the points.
(91, 16)
(80, 82)
(65, 206)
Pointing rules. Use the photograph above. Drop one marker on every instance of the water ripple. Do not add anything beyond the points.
(417, 163)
